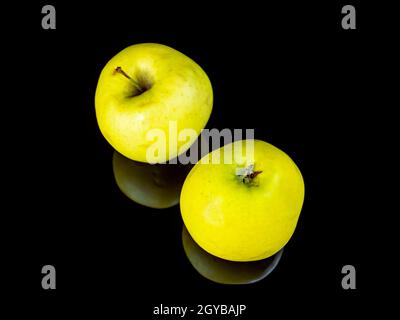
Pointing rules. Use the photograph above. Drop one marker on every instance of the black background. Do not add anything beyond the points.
(287, 70)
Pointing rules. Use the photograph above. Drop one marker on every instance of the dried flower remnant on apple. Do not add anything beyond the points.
(247, 175)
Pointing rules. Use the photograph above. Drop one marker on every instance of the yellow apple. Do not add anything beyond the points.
(149, 86)
(151, 185)
(246, 210)
(224, 271)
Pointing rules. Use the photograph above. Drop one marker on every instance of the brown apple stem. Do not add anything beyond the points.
(120, 71)
(254, 174)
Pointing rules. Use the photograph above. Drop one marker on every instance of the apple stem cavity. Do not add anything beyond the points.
(135, 84)
(247, 174)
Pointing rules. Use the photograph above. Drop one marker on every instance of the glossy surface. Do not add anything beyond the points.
(156, 186)
(316, 91)
(224, 271)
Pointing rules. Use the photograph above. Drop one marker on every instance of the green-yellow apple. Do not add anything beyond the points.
(148, 87)
(245, 209)
(151, 185)
(224, 271)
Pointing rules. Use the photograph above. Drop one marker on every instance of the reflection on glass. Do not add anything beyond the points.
(224, 271)
(151, 185)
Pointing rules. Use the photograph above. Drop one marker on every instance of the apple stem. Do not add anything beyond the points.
(254, 174)
(120, 71)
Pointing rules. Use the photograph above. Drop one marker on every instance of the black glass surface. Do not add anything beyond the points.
(288, 71)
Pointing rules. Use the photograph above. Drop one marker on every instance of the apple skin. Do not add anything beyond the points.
(176, 89)
(152, 185)
(237, 221)
(224, 271)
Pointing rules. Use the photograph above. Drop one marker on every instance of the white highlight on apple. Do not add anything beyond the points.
(162, 143)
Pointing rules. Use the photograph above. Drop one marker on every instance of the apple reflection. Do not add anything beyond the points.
(151, 185)
(224, 271)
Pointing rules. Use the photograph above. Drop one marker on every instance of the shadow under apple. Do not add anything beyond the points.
(224, 271)
(152, 185)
